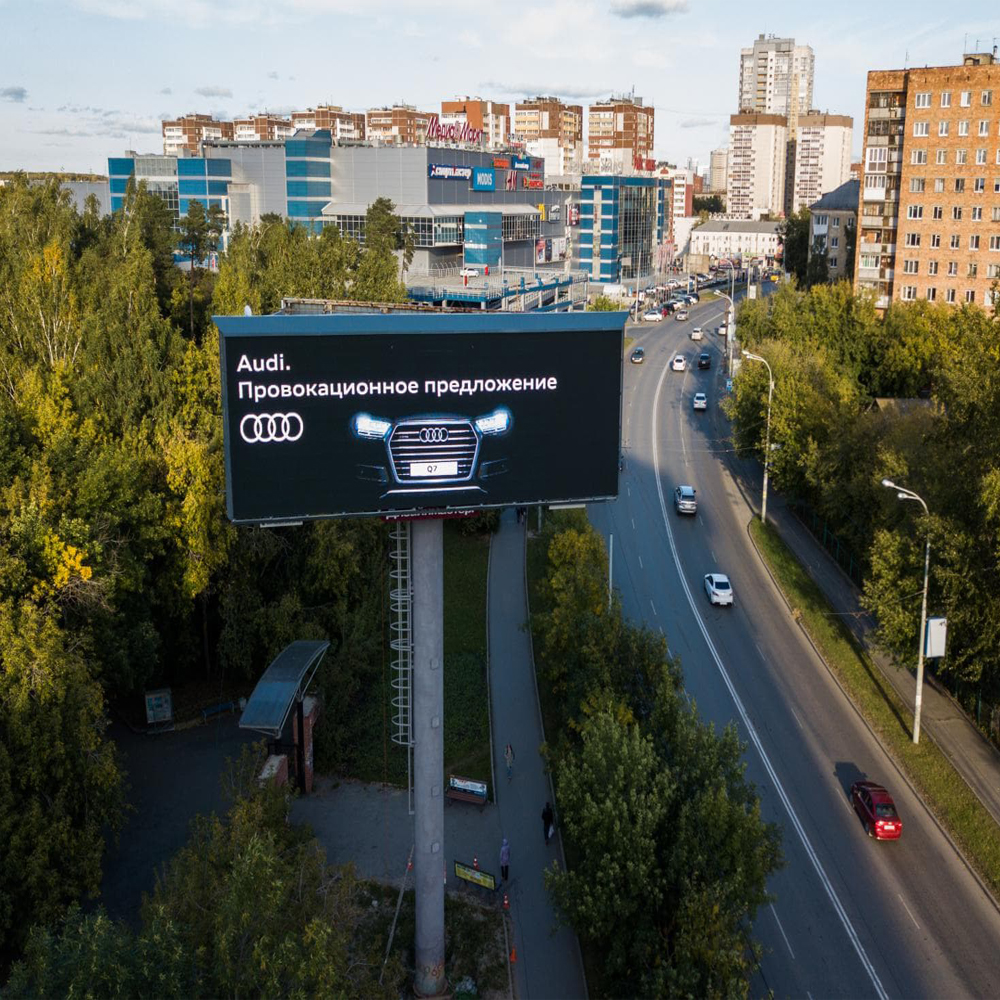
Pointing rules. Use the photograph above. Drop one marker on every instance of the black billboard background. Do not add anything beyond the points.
(563, 443)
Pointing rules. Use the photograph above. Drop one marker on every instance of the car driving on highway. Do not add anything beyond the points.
(718, 588)
(700, 401)
(638, 356)
(684, 500)
(705, 360)
(653, 316)
(877, 811)
(696, 333)
(678, 364)
(681, 314)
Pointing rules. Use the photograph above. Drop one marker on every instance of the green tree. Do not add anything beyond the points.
(850, 249)
(198, 236)
(710, 203)
(817, 270)
(377, 279)
(603, 304)
(793, 232)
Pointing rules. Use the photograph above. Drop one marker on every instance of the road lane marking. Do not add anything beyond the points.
(761, 651)
(905, 907)
(628, 489)
(633, 524)
(779, 788)
(653, 606)
(783, 934)
(640, 562)
(797, 719)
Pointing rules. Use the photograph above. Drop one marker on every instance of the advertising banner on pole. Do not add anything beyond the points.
(338, 415)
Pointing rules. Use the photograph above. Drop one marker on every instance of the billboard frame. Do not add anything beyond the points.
(407, 324)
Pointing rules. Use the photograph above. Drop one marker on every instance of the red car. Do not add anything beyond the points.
(877, 810)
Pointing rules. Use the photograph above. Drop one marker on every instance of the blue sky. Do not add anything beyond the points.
(81, 80)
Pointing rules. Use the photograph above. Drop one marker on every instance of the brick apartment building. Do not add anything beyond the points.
(929, 209)
(401, 124)
(619, 134)
(552, 130)
(185, 134)
(486, 117)
(340, 123)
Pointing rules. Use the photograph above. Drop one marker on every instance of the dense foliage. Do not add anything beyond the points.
(669, 854)
(247, 908)
(118, 568)
(832, 357)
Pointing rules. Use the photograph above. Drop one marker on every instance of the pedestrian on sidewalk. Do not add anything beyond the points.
(508, 756)
(504, 860)
(548, 822)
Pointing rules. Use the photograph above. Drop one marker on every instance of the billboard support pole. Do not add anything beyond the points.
(428, 754)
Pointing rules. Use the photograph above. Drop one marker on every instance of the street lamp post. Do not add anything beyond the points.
(904, 494)
(767, 430)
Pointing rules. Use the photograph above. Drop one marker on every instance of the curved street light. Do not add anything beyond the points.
(904, 494)
(767, 432)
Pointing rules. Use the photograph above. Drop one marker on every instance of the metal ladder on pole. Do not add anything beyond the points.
(400, 628)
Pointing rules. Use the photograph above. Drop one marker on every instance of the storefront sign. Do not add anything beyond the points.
(532, 183)
(501, 163)
(555, 212)
(520, 162)
(573, 215)
(449, 172)
(454, 132)
(484, 179)
(475, 876)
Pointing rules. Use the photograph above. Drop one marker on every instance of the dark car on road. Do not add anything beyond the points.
(704, 360)
(877, 811)
(638, 356)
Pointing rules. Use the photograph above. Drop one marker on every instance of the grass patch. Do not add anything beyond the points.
(467, 733)
(466, 694)
(931, 773)
(473, 935)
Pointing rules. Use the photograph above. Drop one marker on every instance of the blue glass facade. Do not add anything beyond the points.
(483, 238)
(307, 155)
(622, 221)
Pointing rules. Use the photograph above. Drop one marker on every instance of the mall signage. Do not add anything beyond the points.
(520, 162)
(449, 172)
(483, 179)
(340, 415)
(453, 132)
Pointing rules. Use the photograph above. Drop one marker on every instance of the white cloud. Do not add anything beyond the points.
(698, 122)
(647, 8)
(549, 89)
(213, 91)
(16, 95)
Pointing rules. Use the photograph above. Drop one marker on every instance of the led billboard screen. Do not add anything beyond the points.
(326, 416)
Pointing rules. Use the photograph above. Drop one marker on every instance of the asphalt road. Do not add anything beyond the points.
(852, 917)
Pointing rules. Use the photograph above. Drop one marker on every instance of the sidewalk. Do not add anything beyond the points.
(548, 960)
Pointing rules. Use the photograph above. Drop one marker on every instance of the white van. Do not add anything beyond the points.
(696, 333)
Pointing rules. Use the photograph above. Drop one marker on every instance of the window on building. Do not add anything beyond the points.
(869, 260)
(996, 185)
(938, 184)
(956, 213)
(995, 213)
(943, 128)
(908, 293)
(977, 211)
(959, 185)
(970, 295)
(931, 294)
(911, 266)
(945, 98)
(963, 128)
(877, 158)
(932, 267)
(952, 268)
(956, 241)
(949, 295)
(835, 222)
(965, 99)
(938, 212)
(994, 245)
(961, 156)
(986, 99)
(941, 156)
(973, 243)
(834, 242)
(921, 128)
(832, 262)
(911, 240)
(984, 126)
(821, 220)
(979, 185)
(915, 211)
(918, 156)
(922, 100)
(917, 185)
(993, 270)
(981, 157)
(936, 240)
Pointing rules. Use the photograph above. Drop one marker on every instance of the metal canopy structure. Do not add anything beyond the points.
(283, 683)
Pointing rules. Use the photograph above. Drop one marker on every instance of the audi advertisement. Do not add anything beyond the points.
(344, 415)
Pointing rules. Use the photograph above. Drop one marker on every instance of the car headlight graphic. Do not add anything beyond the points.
(372, 428)
(495, 423)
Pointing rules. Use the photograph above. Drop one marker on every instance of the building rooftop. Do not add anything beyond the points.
(739, 226)
(841, 199)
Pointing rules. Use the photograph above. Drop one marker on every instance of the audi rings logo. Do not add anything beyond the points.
(433, 435)
(263, 428)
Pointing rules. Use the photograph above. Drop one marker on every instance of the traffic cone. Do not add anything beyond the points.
(513, 955)
(475, 861)
(506, 902)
